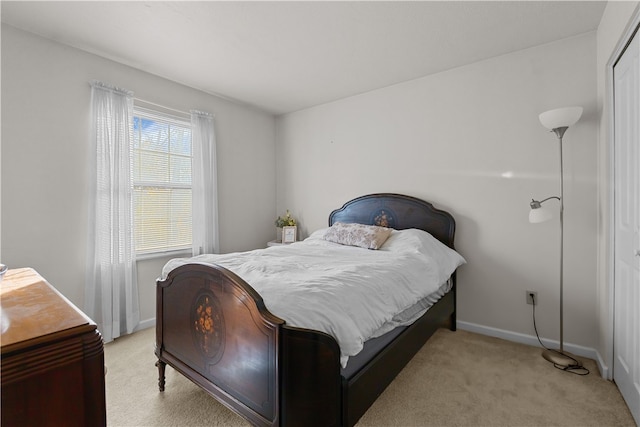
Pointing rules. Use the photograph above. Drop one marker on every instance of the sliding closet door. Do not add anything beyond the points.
(626, 367)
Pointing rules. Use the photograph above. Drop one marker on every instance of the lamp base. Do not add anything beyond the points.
(561, 359)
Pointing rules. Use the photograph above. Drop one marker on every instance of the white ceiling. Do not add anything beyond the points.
(286, 56)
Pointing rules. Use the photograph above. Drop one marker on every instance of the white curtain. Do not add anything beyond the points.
(111, 289)
(204, 184)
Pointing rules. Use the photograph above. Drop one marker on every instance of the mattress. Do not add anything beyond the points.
(350, 293)
(383, 337)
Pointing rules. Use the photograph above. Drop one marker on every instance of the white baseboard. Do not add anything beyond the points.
(531, 340)
(144, 324)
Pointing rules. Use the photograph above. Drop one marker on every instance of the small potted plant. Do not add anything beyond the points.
(287, 228)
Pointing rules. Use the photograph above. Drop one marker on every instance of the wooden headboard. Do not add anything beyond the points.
(399, 212)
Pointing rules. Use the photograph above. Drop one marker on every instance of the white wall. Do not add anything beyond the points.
(613, 26)
(45, 106)
(469, 140)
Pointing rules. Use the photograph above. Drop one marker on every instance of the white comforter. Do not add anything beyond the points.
(348, 292)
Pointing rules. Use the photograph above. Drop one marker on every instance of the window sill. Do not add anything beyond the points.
(181, 253)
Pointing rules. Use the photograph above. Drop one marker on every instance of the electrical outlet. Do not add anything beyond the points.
(532, 298)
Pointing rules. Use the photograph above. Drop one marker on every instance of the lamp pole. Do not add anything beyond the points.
(560, 133)
(560, 358)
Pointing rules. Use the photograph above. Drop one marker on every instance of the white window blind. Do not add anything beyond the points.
(161, 182)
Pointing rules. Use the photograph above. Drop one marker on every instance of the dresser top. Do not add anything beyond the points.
(32, 310)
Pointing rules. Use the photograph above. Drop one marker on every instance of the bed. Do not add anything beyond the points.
(214, 328)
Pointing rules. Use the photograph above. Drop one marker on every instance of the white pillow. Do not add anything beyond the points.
(318, 234)
(414, 240)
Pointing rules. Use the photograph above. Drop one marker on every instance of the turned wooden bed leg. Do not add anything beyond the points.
(161, 365)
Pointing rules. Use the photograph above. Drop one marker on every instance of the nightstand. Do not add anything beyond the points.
(276, 243)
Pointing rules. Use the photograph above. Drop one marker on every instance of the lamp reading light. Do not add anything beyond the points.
(539, 214)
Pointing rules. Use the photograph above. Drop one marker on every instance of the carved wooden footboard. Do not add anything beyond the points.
(214, 328)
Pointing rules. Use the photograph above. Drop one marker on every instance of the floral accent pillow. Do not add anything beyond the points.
(363, 236)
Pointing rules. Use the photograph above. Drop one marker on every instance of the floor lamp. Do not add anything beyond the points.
(557, 121)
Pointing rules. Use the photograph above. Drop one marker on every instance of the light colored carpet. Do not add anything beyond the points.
(457, 379)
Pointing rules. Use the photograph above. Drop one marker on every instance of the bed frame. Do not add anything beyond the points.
(214, 328)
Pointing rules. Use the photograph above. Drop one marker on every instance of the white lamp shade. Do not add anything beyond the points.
(560, 117)
(539, 215)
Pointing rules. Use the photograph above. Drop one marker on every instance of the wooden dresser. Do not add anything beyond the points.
(52, 366)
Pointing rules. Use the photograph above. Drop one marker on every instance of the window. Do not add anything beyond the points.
(161, 182)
